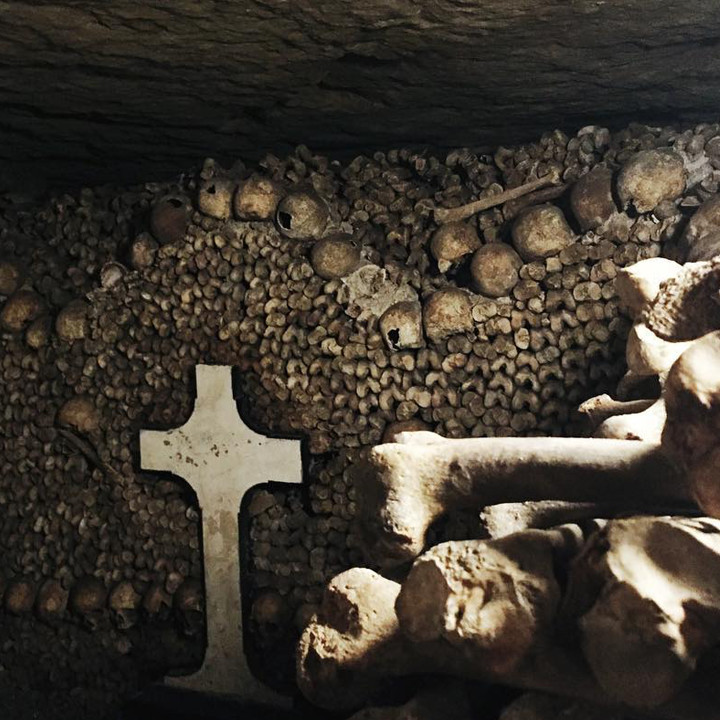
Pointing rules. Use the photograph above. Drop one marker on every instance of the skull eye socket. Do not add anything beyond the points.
(394, 336)
(285, 220)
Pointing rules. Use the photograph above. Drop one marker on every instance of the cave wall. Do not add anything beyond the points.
(125, 91)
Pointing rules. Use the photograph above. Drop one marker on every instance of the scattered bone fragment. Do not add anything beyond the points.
(369, 291)
(650, 177)
(447, 312)
(591, 198)
(452, 242)
(302, 215)
(494, 269)
(690, 436)
(639, 284)
(401, 326)
(257, 198)
(169, 219)
(403, 488)
(647, 594)
(445, 215)
(541, 232)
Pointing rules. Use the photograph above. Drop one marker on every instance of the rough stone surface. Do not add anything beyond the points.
(127, 91)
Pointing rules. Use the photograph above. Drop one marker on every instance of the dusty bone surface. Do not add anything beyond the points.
(647, 597)
(645, 615)
(404, 487)
(690, 435)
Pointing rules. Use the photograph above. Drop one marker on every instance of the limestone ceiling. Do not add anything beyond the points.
(128, 90)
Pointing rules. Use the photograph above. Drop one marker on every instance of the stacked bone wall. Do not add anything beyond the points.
(112, 296)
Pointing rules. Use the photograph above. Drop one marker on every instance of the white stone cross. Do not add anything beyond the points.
(221, 458)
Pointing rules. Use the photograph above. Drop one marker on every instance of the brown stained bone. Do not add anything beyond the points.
(648, 354)
(692, 432)
(451, 242)
(639, 284)
(492, 600)
(446, 215)
(498, 521)
(685, 307)
(646, 425)
(650, 177)
(647, 594)
(515, 207)
(355, 646)
(598, 409)
(345, 651)
(402, 488)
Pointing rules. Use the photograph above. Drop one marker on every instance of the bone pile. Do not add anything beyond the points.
(622, 612)
(470, 295)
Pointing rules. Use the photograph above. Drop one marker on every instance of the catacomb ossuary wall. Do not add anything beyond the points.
(112, 295)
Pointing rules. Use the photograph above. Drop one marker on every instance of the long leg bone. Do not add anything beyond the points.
(402, 488)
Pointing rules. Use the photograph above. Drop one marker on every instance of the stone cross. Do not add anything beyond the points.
(221, 458)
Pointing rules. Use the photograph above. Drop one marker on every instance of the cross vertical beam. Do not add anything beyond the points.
(221, 458)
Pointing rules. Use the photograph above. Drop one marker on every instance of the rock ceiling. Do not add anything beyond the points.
(127, 90)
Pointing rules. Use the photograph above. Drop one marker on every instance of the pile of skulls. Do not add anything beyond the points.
(357, 300)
